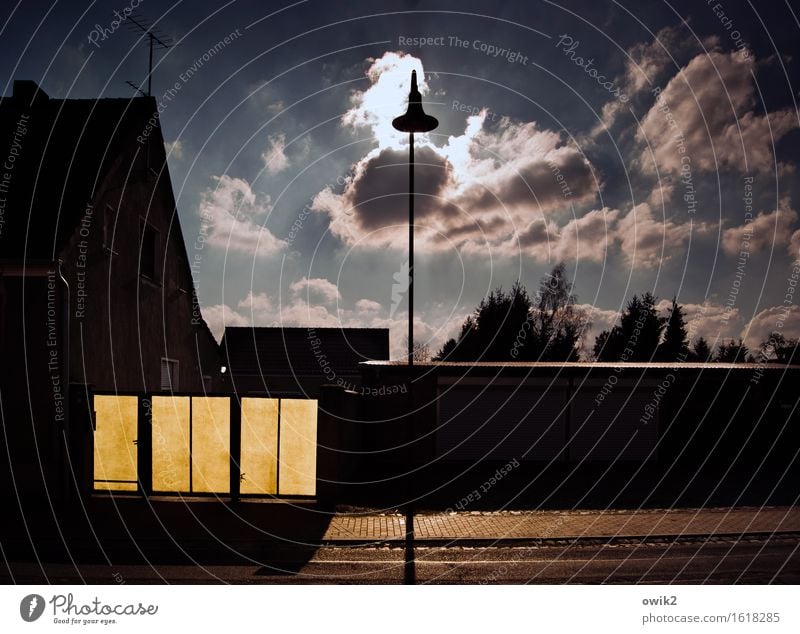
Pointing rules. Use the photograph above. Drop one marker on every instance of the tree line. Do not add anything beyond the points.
(549, 326)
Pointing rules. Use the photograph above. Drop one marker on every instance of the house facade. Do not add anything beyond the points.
(96, 291)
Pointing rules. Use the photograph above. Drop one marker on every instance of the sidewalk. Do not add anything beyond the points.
(551, 525)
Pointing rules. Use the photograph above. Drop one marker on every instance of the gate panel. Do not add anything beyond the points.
(259, 454)
(211, 444)
(298, 447)
(115, 436)
(171, 424)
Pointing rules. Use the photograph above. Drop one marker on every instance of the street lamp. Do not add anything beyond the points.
(414, 120)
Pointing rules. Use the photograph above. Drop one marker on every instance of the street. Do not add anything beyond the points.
(694, 560)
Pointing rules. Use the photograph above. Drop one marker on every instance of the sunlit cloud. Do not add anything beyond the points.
(233, 216)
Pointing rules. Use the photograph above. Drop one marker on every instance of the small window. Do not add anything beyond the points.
(169, 375)
(149, 264)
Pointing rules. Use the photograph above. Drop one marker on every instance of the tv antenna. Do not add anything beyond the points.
(156, 39)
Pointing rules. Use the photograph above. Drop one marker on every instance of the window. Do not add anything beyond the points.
(149, 261)
(169, 375)
(109, 220)
(115, 442)
(189, 439)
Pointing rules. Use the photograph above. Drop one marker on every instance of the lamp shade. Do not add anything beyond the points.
(415, 119)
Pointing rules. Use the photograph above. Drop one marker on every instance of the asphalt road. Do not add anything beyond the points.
(622, 561)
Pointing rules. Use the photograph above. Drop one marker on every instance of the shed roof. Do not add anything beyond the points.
(302, 351)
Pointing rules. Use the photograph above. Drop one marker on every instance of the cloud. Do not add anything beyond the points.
(646, 65)
(794, 246)
(783, 319)
(584, 238)
(317, 302)
(368, 306)
(643, 240)
(275, 159)
(706, 116)
(477, 189)
(316, 289)
(647, 241)
(174, 148)
(233, 216)
(219, 316)
(765, 230)
(709, 320)
(374, 108)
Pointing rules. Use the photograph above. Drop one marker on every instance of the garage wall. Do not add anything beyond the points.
(541, 420)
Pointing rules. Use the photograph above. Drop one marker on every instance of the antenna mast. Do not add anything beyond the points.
(156, 39)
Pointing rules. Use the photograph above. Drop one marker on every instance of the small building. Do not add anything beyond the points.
(562, 433)
(297, 361)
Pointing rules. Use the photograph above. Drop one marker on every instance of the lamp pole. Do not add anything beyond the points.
(414, 120)
(411, 248)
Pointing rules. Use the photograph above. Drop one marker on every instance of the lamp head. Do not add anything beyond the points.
(415, 119)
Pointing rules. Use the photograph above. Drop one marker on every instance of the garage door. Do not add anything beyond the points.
(612, 430)
(476, 422)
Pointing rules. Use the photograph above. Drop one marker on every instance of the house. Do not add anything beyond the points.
(298, 361)
(96, 291)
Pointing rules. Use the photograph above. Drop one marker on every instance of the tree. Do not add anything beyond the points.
(636, 337)
(509, 326)
(558, 324)
(421, 352)
(732, 352)
(490, 332)
(675, 346)
(779, 349)
(701, 351)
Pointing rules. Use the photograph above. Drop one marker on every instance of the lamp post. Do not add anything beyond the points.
(414, 120)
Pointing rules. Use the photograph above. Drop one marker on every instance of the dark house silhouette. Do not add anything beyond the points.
(297, 361)
(96, 292)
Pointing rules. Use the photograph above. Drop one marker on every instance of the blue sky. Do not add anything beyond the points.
(649, 145)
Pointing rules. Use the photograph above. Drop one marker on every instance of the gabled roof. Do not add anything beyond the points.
(302, 351)
(55, 154)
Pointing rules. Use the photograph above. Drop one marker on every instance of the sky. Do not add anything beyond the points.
(650, 146)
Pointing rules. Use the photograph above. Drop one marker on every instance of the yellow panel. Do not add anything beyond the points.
(170, 443)
(298, 447)
(211, 442)
(259, 460)
(116, 486)
(115, 454)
